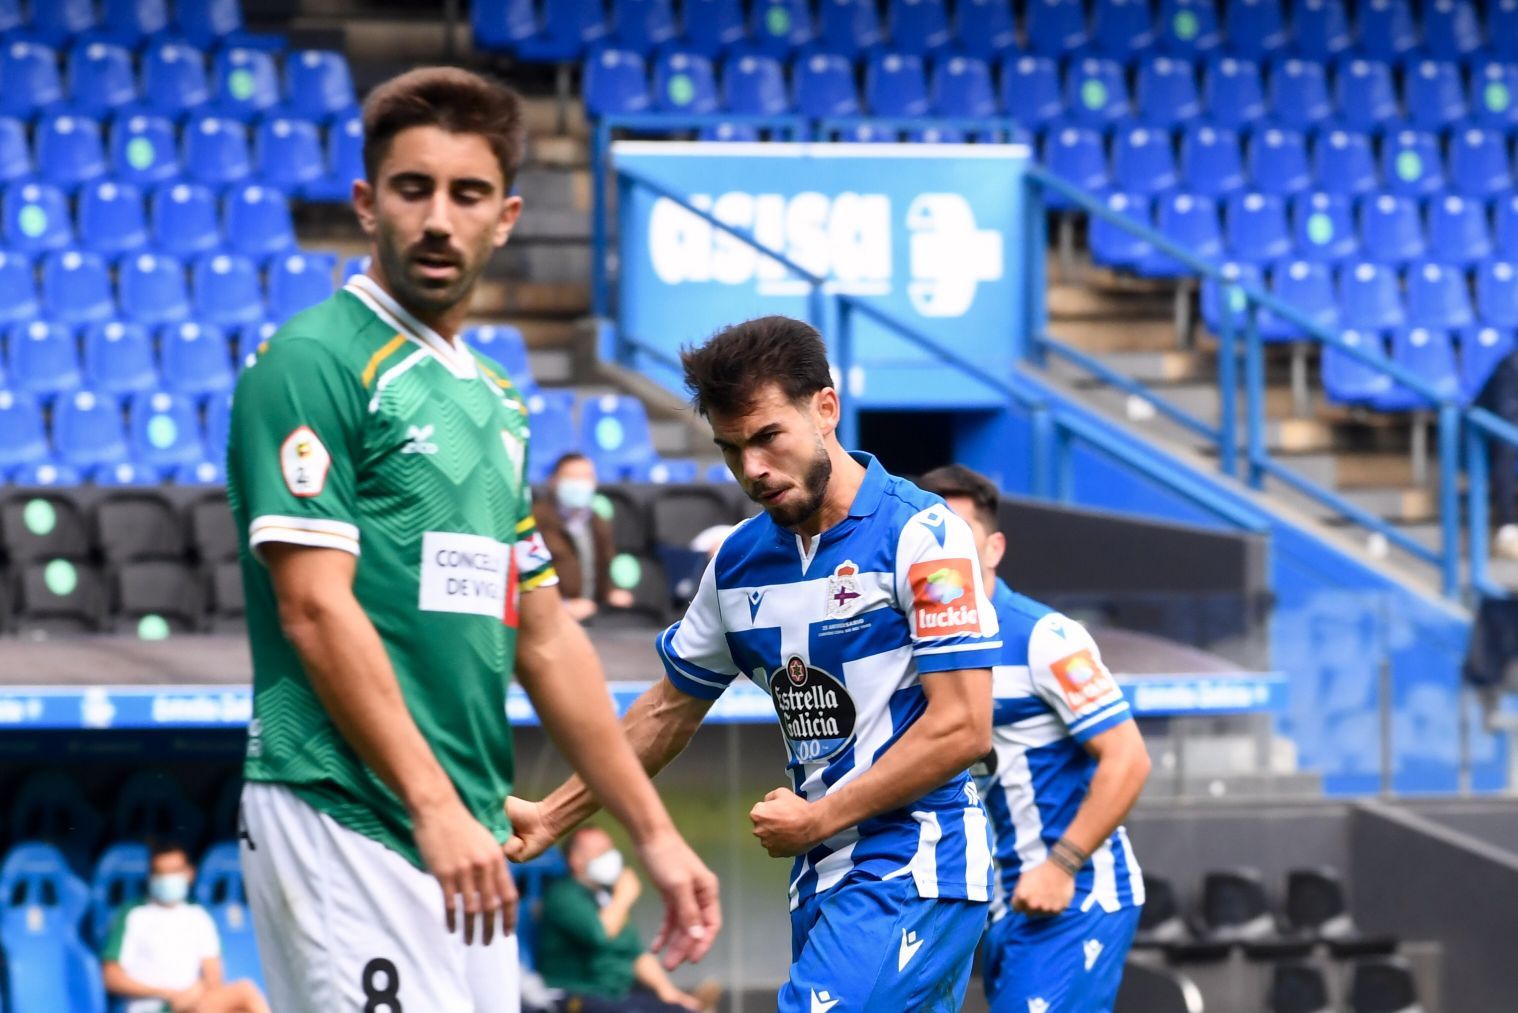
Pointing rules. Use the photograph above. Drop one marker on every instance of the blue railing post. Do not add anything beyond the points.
(1063, 468)
(1041, 450)
(1254, 397)
(1476, 493)
(1228, 387)
(1036, 309)
(848, 419)
(1449, 495)
(600, 144)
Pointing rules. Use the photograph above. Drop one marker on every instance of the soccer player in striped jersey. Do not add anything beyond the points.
(855, 600)
(1067, 766)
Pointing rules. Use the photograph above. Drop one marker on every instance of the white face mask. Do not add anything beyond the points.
(169, 888)
(604, 869)
(575, 493)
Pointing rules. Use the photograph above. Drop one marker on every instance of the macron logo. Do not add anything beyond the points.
(1038, 1005)
(1093, 950)
(823, 1002)
(419, 441)
(934, 523)
(910, 944)
(755, 599)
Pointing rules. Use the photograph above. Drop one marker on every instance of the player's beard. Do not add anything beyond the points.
(814, 486)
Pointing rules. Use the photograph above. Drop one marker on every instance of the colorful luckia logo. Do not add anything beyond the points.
(946, 586)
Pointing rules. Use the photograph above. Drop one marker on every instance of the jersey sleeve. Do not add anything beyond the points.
(296, 433)
(694, 650)
(953, 624)
(533, 561)
(1068, 673)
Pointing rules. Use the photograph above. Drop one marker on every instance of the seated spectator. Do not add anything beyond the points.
(163, 955)
(1500, 396)
(588, 946)
(579, 540)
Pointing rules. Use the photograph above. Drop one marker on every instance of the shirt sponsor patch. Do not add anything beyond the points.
(1084, 680)
(817, 714)
(467, 574)
(943, 598)
(304, 461)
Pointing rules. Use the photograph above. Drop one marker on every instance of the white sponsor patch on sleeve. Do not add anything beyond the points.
(304, 461)
(467, 574)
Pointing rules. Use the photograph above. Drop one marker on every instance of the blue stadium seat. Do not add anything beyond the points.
(1320, 28)
(962, 88)
(1505, 226)
(184, 219)
(1122, 28)
(1437, 296)
(1278, 162)
(126, 475)
(11, 15)
(895, 85)
(984, 28)
(1115, 247)
(685, 83)
(151, 288)
(1255, 28)
(874, 133)
(1494, 95)
(824, 85)
(1030, 90)
(1458, 230)
(196, 358)
(112, 220)
(505, 344)
(553, 430)
(1482, 350)
(218, 877)
(1323, 226)
(130, 23)
(216, 150)
(1502, 28)
(289, 153)
(1190, 220)
(29, 79)
(1299, 93)
(710, 27)
(174, 79)
(120, 878)
(1166, 92)
(249, 339)
(44, 358)
(1143, 162)
(76, 287)
(920, 27)
(616, 83)
(345, 161)
(1343, 163)
(1096, 92)
(1497, 293)
(1233, 96)
(1430, 354)
(18, 288)
(1478, 163)
(355, 265)
(1364, 95)
(206, 473)
(1385, 29)
(239, 944)
(164, 432)
(298, 282)
(754, 85)
(1434, 94)
(614, 433)
(1188, 28)
(1346, 379)
(1306, 286)
(318, 84)
(1210, 160)
(48, 968)
(1055, 27)
(1411, 164)
(36, 218)
(15, 153)
(732, 133)
(502, 25)
(101, 79)
(218, 423)
(673, 471)
(566, 30)
(208, 23)
(1076, 154)
(118, 358)
(642, 25)
(846, 28)
(1369, 296)
(87, 430)
(23, 437)
(1391, 231)
(1255, 226)
(257, 221)
(777, 27)
(228, 291)
(48, 474)
(1451, 30)
(69, 150)
(143, 150)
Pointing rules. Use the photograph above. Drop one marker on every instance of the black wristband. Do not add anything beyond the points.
(1064, 863)
(1076, 854)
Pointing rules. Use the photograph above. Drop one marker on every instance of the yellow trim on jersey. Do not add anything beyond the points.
(386, 350)
(500, 381)
(525, 525)
(539, 579)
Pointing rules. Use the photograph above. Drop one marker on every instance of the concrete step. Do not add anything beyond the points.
(551, 365)
(555, 187)
(1400, 504)
(501, 298)
(553, 224)
(671, 437)
(1352, 469)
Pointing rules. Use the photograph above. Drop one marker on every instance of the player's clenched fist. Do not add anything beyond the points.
(530, 833)
(1043, 890)
(785, 823)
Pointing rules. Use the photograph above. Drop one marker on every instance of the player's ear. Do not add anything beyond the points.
(996, 548)
(363, 205)
(511, 210)
(825, 410)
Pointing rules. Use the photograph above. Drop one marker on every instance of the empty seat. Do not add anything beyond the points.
(754, 85)
(288, 153)
(218, 422)
(1256, 229)
(1234, 907)
(212, 530)
(1055, 27)
(1450, 29)
(143, 150)
(57, 22)
(29, 79)
(1320, 28)
(39, 526)
(1369, 297)
(1160, 918)
(298, 282)
(686, 83)
(69, 149)
(962, 88)
(1188, 27)
(36, 218)
(1190, 220)
(219, 879)
(1278, 162)
(15, 153)
(1255, 27)
(644, 577)
(228, 291)
(18, 288)
(984, 28)
(87, 430)
(118, 358)
(1123, 28)
(1142, 161)
(129, 22)
(44, 358)
(1482, 350)
(164, 432)
(1307, 287)
(1076, 154)
(505, 344)
(1383, 985)
(60, 596)
(615, 434)
(1411, 164)
(216, 150)
(1497, 293)
(1323, 227)
(152, 288)
(1458, 231)
(824, 86)
(1391, 230)
(1166, 91)
(616, 83)
(318, 84)
(47, 473)
(1434, 94)
(553, 430)
(101, 79)
(1494, 94)
(1031, 90)
(112, 220)
(1299, 93)
(777, 27)
(174, 79)
(1364, 96)
(729, 133)
(209, 23)
(257, 221)
(76, 287)
(345, 161)
(677, 470)
(1297, 986)
(711, 26)
(1096, 92)
(1385, 28)
(1437, 296)
(120, 878)
(1233, 94)
(642, 25)
(1505, 226)
(1316, 903)
(23, 438)
(846, 27)
(918, 26)
(1502, 28)
(895, 85)
(565, 31)
(195, 359)
(150, 804)
(1430, 355)
(1113, 246)
(185, 219)
(135, 526)
(1478, 163)
(1210, 161)
(156, 600)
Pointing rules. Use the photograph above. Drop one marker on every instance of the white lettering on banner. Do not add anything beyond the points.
(950, 256)
(463, 573)
(203, 709)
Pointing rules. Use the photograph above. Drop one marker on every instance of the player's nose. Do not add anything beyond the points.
(439, 220)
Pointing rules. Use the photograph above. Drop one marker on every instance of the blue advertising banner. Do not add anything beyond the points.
(929, 234)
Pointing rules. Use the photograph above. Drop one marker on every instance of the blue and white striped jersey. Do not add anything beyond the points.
(1052, 695)
(839, 638)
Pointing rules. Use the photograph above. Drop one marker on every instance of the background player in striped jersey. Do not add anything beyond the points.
(855, 600)
(1067, 766)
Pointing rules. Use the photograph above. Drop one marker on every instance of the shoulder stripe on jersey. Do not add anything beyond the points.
(1121, 707)
(380, 356)
(979, 645)
(390, 375)
(526, 524)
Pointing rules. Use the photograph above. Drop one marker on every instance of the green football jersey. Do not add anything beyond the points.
(359, 428)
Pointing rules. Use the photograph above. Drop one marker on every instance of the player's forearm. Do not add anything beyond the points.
(1115, 787)
(615, 914)
(119, 983)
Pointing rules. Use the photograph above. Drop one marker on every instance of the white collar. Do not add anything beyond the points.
(453, 354)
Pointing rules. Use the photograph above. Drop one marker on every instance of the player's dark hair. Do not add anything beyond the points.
(957, 480)
(569, 457)
(158, 846)
(455, 100)
(726, 374)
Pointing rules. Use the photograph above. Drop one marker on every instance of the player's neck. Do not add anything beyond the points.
(446, 323)
(843, 486)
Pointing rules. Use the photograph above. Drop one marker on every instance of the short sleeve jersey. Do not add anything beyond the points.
(1052, 694)
(841, 638)
(360, 429)
(162, 946)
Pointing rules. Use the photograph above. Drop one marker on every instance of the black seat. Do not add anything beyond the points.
(1160, 920)
(629, 517)
(644, 577)
(212, 530)
(1317, 905)
(680, 513)
(60, 596)
(44, 525)
(1234, 907)
(227, 608)
(1383, 985)
(131, 526)
(1298, 987)
(1150, 989)
(159, 597)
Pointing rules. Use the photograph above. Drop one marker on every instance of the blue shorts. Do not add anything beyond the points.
(875, 944)
(1072, 961)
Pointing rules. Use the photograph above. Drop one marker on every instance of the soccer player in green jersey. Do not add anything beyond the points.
(395, 582)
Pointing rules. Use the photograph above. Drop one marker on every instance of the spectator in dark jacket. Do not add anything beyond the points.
(579, 539)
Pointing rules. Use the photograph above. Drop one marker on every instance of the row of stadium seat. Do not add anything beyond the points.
(561, 30)
(103, 80)
(203, 23)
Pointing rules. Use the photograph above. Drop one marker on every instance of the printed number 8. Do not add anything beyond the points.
(386, 998)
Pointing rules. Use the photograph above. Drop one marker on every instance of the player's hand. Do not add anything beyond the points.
(1043, 890)
(786, 824)
(469, 865)
(530, 833)
(620, 598)
(692, 916)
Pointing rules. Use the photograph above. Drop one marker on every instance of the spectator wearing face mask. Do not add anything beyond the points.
(579, 540)
(588, 946)
(163, 955)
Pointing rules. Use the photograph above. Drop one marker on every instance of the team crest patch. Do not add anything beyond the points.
(943, 598)
(1083, 678)
(843, 589)
(304, 461)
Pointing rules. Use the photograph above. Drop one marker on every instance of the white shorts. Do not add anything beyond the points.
(345, 924)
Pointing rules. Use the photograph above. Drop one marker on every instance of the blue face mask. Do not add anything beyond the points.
(575, 493)
(170, 888)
